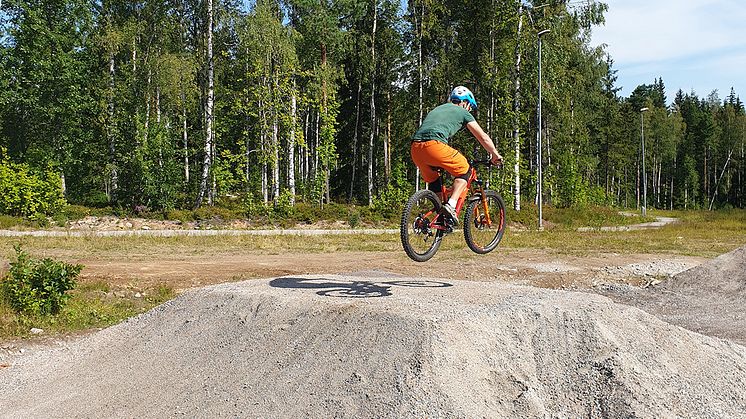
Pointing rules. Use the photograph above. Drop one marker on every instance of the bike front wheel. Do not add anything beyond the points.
(419, 236)
(484, 222)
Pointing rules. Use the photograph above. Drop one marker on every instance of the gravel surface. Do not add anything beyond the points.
(184, 232)
(365, 346)
(709, 298)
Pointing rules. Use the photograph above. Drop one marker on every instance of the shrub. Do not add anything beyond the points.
(27, 193)
(207, 212)
(179, 215)
(283, 205)
(38, 286)
(390, 202)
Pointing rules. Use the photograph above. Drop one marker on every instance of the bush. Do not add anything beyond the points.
(29, 194)
(38, 286)
(390, 202)
(207, 212)
(179, 215)
(283, 206)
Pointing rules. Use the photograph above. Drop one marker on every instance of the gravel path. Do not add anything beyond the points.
(173, 233)
(362, 346)
(658, 223)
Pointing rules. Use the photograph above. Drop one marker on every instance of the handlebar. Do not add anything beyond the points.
(486, 162)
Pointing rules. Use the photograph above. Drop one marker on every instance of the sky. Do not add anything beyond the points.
(694, 45)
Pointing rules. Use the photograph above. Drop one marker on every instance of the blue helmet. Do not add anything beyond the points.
(461, 93)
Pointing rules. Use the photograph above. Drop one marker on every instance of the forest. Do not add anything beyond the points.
(166, 104)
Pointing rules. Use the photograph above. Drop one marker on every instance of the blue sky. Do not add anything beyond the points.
(695, 45)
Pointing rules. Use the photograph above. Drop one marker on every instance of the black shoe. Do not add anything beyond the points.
(448, 209)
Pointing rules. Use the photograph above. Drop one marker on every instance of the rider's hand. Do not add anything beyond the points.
(496, 159)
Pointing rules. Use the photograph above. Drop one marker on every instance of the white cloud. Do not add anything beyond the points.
(692, 44)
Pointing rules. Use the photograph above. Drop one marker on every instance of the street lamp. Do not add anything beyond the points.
(538, 138)
(644, 175)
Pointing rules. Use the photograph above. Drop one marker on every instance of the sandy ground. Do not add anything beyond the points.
(371, 346)
(516, 333)
(516, 266)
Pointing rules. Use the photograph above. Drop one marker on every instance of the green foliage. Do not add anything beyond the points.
(113, 97)
(26, 193)
(215, 213)
(95, 304)
(283, 206)
(38, 286)
(390, 202)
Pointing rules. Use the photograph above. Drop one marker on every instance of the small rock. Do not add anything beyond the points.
(145, 228)
(138, 295)
(36, 331)
(128, 224)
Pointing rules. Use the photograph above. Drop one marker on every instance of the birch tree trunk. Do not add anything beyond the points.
(419, 82)
(275, 158)
(306, 154)
(113, 175)
(387, 144)
(717, 181)
(185, 136)
(207, 162)
(291, 147)
(516, 111)
(372, 104)
(262, 143)
(147, 109)
(355, 137)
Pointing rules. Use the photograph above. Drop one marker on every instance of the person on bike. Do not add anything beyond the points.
(430, 149)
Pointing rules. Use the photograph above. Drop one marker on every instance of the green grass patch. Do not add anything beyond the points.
(576, 217)
(91, 305)
(699, 233)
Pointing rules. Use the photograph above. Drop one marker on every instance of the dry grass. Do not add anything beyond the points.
(100, 301)
(698, 234)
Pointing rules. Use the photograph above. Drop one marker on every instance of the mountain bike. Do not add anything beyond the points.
(424, 222)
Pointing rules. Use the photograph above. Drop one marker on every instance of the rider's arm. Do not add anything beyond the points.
(485, 140)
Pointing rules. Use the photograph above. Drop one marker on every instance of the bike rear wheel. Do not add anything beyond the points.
(418, 236)
(484, 225)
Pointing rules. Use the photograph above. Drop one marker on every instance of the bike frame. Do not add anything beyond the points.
(473, 192)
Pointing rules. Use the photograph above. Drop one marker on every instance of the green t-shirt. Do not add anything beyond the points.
(443, 123)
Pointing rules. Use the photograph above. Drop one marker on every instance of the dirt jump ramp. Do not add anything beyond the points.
(353, 346)
(709, 298)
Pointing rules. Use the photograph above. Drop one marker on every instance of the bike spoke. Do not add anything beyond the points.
(485, 223)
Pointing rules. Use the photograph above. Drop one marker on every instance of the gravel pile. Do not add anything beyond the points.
(353, 346)
(709, 298)
(659, 268)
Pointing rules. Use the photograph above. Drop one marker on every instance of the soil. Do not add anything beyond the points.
(516, 266)
(383, 346)
(516, 333)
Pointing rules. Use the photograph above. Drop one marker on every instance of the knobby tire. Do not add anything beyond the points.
(420, 246)
(479, 237)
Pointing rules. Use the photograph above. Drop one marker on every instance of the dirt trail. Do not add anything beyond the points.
(312, 346)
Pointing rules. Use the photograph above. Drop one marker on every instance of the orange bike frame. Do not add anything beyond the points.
(444, 194)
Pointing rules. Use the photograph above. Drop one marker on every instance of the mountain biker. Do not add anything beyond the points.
(430, 149)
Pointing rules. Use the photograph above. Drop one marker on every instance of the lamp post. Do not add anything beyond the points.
(644, 175)
(538, 139)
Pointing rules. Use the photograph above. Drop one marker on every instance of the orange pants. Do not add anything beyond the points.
(430, 155)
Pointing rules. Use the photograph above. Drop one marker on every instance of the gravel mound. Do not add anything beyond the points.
(354, 346)
(709, 298)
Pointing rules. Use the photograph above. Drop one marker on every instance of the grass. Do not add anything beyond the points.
(97, 303)
(92, 305)
(699, 233)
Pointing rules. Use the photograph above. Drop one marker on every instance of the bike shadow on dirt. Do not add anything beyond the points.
(352, 288)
